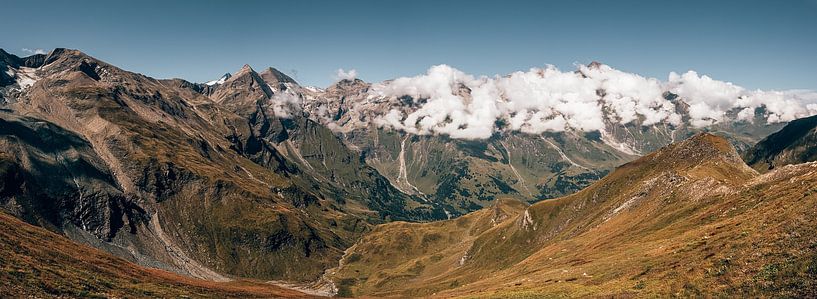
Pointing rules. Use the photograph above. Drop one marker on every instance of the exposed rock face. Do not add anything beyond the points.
(793, 144)
(166, 177)
(53, 177)
(276, 79)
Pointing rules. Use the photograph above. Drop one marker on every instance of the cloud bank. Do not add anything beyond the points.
(448, 101)
(34, 51)
(341, 74)
(285, 104)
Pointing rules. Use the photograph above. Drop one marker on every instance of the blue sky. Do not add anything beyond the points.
(756, 44)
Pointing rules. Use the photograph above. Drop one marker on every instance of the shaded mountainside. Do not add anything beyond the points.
(35, 262)
(690, 219)
(42, 169)
(793, 144)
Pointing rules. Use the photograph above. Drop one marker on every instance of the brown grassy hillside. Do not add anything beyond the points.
(690, 219)
(36, 262)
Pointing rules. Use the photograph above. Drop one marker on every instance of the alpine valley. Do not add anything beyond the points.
(593, 182)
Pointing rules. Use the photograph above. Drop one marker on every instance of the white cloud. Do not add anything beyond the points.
(341, 74)
(285, 104)
(447, 101)
(781, 106)
(34, 51)
(535, 101)
(710, 100)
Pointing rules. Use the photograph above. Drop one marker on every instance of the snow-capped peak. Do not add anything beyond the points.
(219, 81)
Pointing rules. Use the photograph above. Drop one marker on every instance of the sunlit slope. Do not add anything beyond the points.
(688, 219)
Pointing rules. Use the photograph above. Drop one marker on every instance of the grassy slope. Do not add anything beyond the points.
(399, 252)
(37, 262)
(690, 219)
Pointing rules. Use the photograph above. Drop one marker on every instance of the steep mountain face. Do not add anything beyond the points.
(320, 161)
(689, 219)
(160, 175)
(53, 178)
(16, 73)
(793, 144)
(464, 175)
(40, 263)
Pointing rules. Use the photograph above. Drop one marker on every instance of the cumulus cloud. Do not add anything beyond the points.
(342, 74)
(285, 104)
(455, 104)
(709, 100)
(536, 101)
(447, 101)
(780, 106)
(34, 51)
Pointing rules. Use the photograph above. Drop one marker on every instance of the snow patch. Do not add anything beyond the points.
(513, 169)
(623, 147)
(402, 176)
(219, 81)
(463, 259)
(562, 154)
(527, 221)
(26, 77)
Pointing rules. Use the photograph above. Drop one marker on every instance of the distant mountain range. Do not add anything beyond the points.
(255, 176)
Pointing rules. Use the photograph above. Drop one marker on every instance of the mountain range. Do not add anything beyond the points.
(401, 188)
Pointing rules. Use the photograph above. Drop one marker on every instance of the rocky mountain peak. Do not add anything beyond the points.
(220, 80)
(275, 77)
(63, 53)
(595, 64)
(62, 59)
(245, 74)
(349, 85)
(8, 58)
(245, 86)
(14, 61)
(246, 68)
